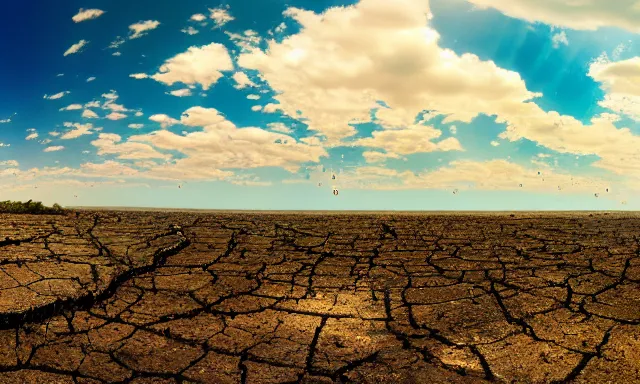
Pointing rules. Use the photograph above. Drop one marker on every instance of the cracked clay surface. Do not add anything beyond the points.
(176, 297)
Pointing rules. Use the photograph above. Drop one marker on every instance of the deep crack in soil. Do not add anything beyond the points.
(177, 297)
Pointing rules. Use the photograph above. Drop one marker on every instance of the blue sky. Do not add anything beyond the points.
(411, 105)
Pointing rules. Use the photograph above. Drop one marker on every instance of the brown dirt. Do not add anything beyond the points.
(188, 297)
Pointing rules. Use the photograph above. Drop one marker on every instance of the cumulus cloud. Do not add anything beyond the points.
(116, 116)
(139, 75)
(32, 136)
(377, 157)
(77, 131)
(89, 114)
(9, 163)
(581, 15)
(559, 38)
(220, 16)
(280, 127)
(164, 120)
(247, 41)
(75, 48)
(221, 146)
(87, 14)
(141, 28)
(242, 80)
(414, 139)
(181, 92)
(198, 17)
(58, 95)
(71, 107)
(190, 30)
(54, 148)
(136, 126)
(90, 79)
(344, 60)
(110, 144)
(198, 65)
(621, 82)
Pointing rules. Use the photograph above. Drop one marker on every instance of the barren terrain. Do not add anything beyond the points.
(171, 297)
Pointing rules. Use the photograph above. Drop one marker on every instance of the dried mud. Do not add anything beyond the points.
(171, 297)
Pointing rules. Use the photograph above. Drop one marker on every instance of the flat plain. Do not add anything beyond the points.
(215, 297)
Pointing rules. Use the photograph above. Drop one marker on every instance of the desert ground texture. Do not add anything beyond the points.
(214, 297)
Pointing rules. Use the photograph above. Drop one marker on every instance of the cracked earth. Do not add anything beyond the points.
(176, 297)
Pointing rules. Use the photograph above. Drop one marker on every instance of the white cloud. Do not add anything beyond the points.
(222, 146)
(77, 131)
(453, 129)
(72, 107)
(280, 127)
(60, 75)
(58, 95)
(495, 143)
(242, 80)
(190, 30)
(116, 54)
(87, 14)
(138, 114)
(377, 157)
(110, 144)
(580, 14)
(253, 97)
(75, 48)
(90, 79)
(414, 139)
(247, 42)
(559, 38)
(198, 17)
(256, 108)
(112, 95)
(141, 28)
(220, 16)
(280, 28)
(343, 61)
(54, 133)
(89, 114)
(54, 148)
(9, 163)
(621, 82)
(198, 65)
(32, 136)
(4, 121)
(164, 120)
(116, 116)
(181, 92)
(139, 75)
(136, 126)
(117, 43)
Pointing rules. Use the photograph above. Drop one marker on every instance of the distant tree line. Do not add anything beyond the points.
(30, 207)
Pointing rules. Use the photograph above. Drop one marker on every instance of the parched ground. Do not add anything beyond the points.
(170, 297)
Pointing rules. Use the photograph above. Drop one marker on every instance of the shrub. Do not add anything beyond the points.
(30, 207)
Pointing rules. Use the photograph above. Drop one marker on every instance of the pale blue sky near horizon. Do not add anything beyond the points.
(239, 105)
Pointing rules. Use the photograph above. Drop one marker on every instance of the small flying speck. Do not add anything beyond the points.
(335, 192)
